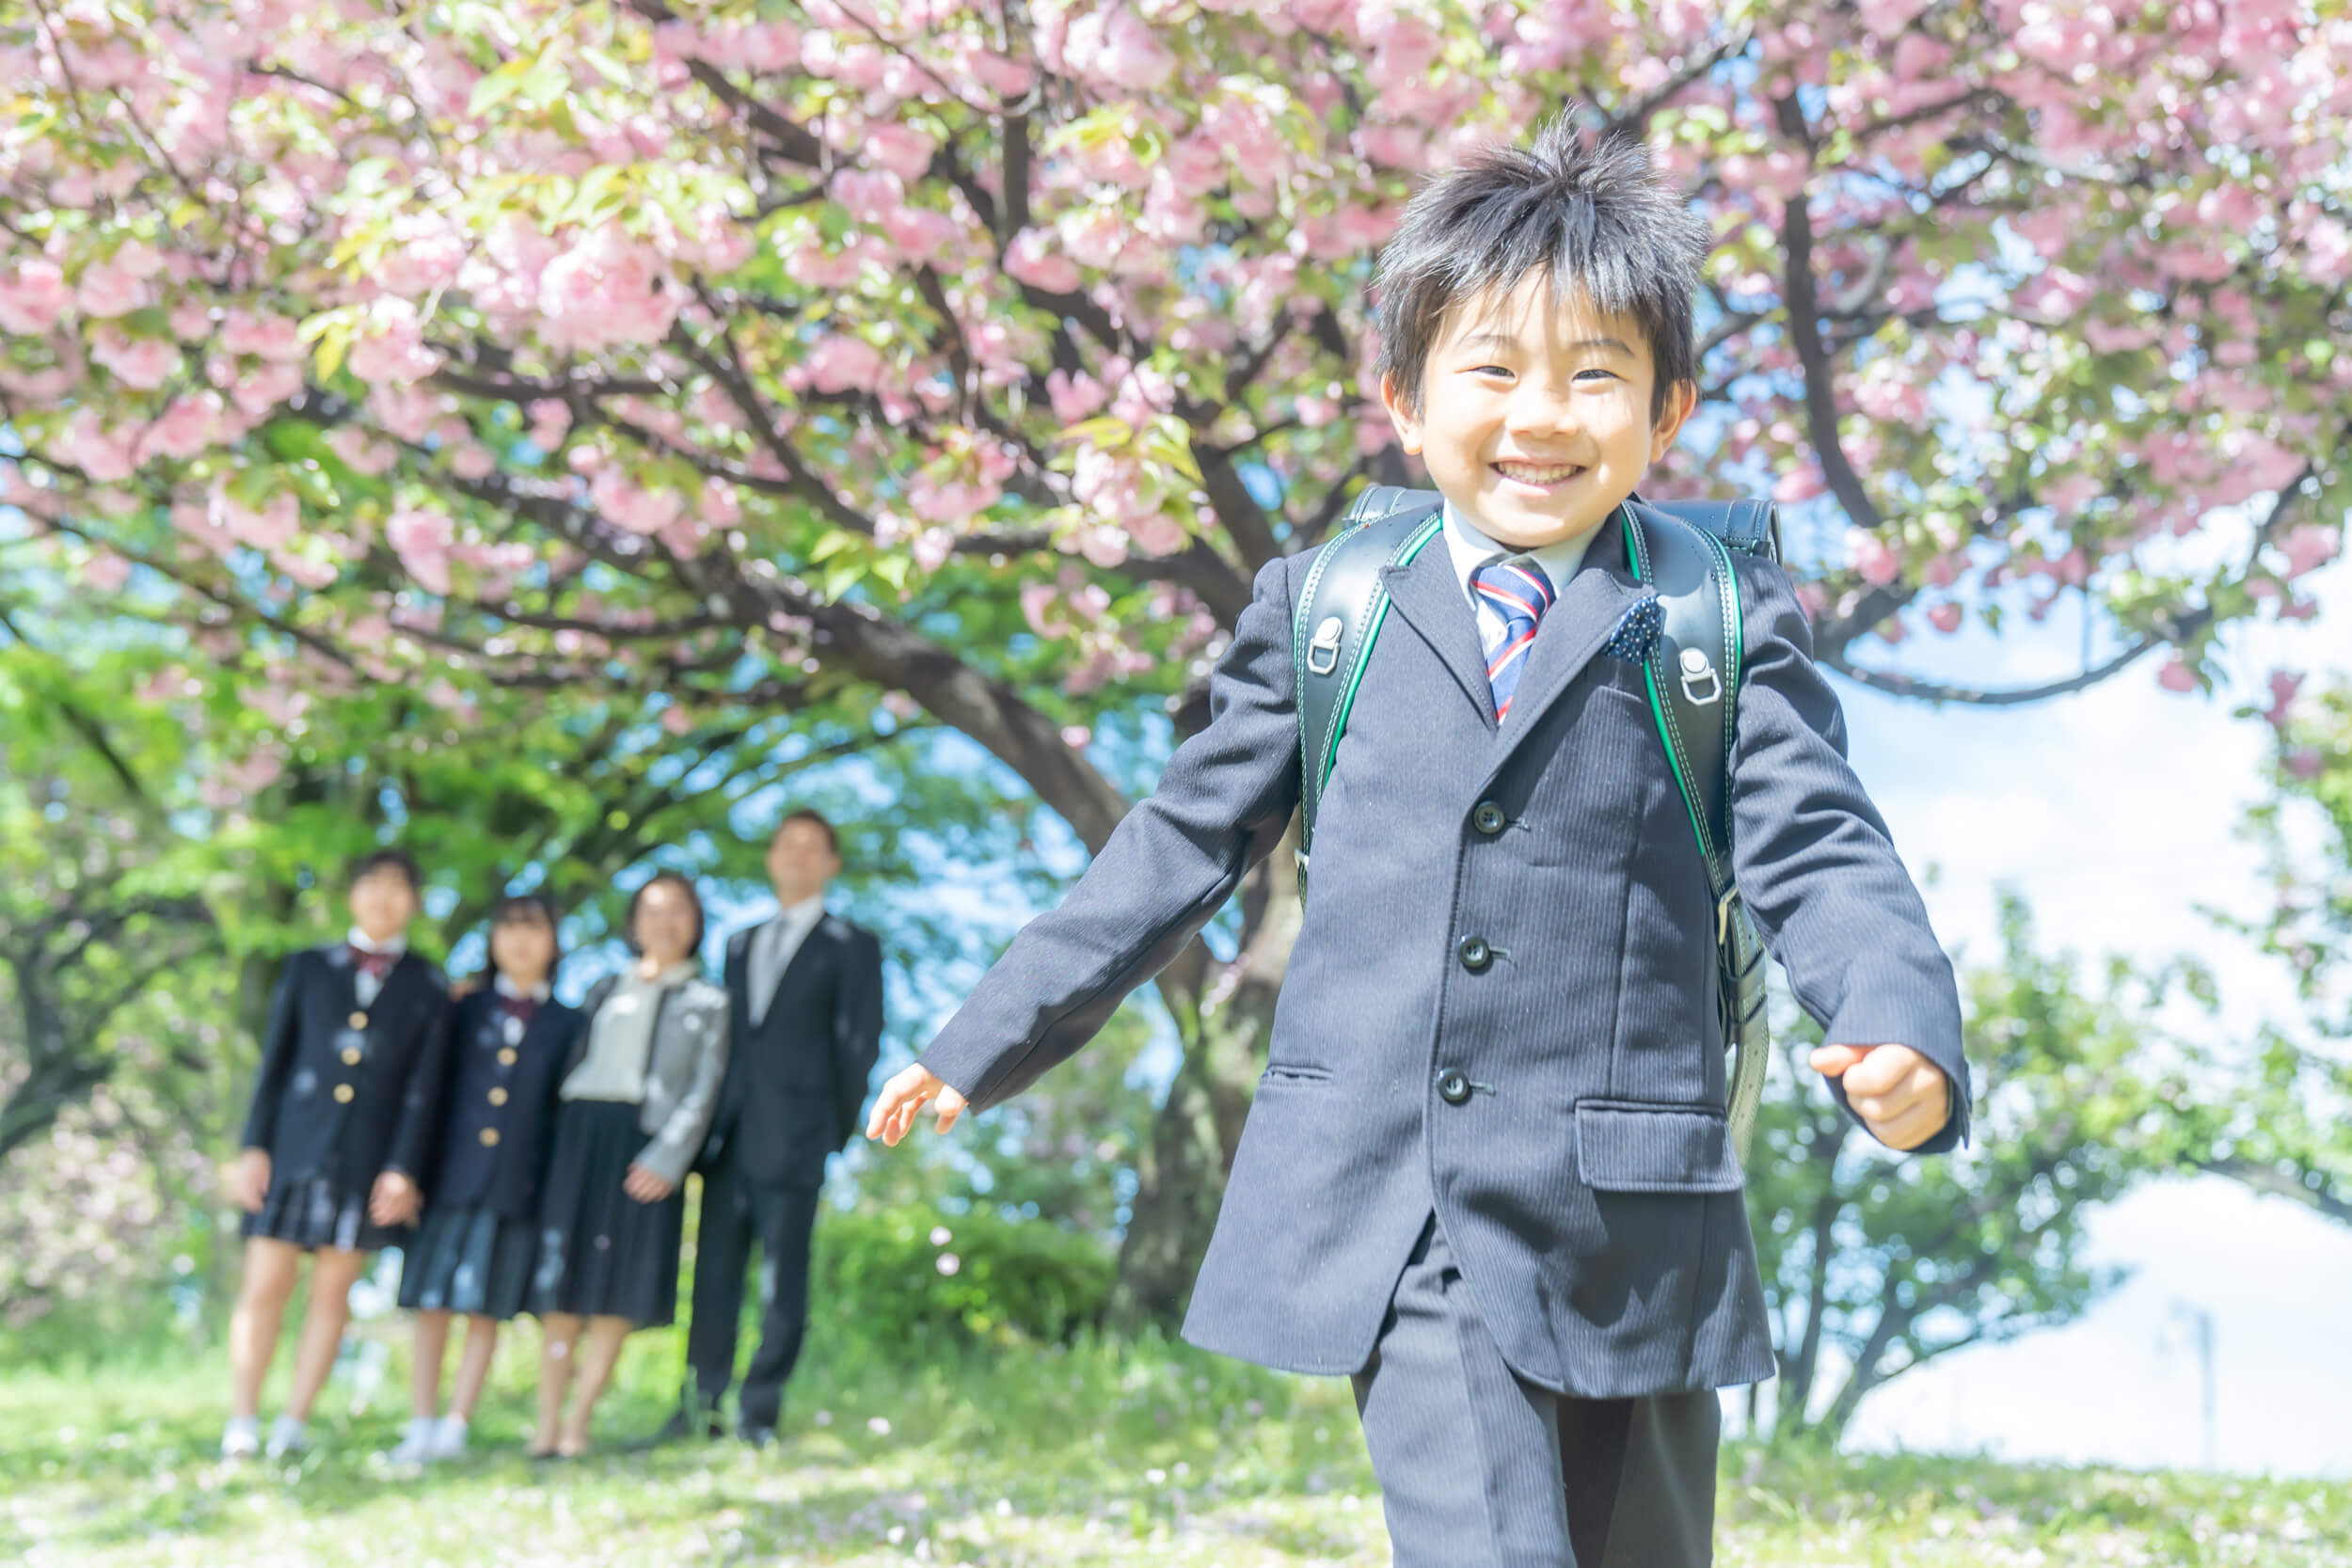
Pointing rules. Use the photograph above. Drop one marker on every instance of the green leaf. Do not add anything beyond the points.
(605, 66)
(494, 90)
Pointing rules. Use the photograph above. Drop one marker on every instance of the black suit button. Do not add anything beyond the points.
(1488, 818)
(1453, 1088)
(1476, 954)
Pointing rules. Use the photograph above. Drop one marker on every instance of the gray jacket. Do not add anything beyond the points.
(1502, 1002)
(685, 1068)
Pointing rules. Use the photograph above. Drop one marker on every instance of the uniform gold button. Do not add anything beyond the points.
(344, 1093)
(506, 1057)
(359, 1020)
(489, 1137)
(351, 1056)
(498, 1096)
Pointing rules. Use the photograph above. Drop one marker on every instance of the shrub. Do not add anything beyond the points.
(914, 1271)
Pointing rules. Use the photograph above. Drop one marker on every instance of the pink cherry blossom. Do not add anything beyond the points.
(188, 426)
(608, 289)
(2308, 546)
(144, 363)
(2177, 674)
(391, 348)
(422, 537)
(1034, 258)
(33, 295)
(1945, 617)
(904, 151)
(839, 363)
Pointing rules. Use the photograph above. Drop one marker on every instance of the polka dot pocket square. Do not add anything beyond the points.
(1636, 635)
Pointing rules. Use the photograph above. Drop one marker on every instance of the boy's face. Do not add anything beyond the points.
(382, 904)
(1535, 422)
(801, 860)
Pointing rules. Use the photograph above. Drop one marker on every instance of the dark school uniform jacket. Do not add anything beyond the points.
(339, 1096)
(497, 1100)
(1506, 1015)
(797, 1080)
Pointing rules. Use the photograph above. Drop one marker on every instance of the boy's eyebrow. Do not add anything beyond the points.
(1492, 337)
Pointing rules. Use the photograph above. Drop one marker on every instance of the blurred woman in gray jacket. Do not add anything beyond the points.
(636, 1098)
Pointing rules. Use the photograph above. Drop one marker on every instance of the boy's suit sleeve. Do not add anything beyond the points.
(278, 1053)
(1223, 803)
(1816, 865)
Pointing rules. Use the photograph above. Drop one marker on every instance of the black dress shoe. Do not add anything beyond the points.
(687, 1424)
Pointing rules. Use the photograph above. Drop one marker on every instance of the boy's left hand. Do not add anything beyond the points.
(1901, 1097)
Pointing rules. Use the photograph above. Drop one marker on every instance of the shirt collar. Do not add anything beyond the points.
(539, 992)
(1471, 550)
(359, 939)
(806, 913)
(685, 968)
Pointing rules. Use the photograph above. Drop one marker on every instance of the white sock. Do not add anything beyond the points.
(242, 1437)
(416, 1443)
(288, 1436)
(449, 1436)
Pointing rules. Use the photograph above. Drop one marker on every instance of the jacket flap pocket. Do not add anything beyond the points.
(1624, 1146)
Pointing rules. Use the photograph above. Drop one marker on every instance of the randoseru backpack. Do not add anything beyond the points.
(1682, 552)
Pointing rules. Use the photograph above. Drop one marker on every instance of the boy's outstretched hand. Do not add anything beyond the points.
(1901, 1097)
(901, 1101)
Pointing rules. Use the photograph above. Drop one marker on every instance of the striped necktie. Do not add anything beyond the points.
(1516, 589)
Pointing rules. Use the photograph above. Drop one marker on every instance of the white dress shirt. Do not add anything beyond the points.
(773, 947)
(368, 986)
(1471, 550)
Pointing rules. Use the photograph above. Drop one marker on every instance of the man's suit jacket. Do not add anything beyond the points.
(338, 1095)
(797, 1080)
(498, 1105)
(1508, 1014)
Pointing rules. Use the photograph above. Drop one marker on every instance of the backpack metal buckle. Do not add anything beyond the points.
(1696, 673)
(1323, 654)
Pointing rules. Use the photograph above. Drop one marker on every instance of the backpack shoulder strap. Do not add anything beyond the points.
(1683, 550)
(1340, 607)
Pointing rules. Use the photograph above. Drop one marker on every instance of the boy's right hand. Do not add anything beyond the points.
(901, 1100)
(249, 1179)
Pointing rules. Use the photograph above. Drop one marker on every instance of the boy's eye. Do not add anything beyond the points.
(1490, 369)
(1605, 376)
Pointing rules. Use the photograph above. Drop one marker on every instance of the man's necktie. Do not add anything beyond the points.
(1516, 589)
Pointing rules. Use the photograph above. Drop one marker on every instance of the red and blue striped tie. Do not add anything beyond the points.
(1516, 589)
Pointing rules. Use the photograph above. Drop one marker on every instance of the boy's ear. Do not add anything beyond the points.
(1682, 401)
(1407, 423)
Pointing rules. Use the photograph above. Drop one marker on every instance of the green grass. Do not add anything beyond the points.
(1105, 1453)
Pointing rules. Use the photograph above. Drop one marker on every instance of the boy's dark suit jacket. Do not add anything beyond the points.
(387, 1120)
(796, 1080)
(1558, 972)
(513, 1100)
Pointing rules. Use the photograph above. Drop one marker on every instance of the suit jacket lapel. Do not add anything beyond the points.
(1429, 598)
(805, 955)
(1573, 631)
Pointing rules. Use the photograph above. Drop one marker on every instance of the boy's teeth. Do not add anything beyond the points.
(1538, 476)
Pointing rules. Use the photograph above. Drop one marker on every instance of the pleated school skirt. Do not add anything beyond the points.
(469, 1261)
(601, 1252)
(321, 1211)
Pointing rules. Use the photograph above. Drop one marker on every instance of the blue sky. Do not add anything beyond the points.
(2115, 812)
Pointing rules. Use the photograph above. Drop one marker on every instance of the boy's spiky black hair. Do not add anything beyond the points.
(1591, 216)
(386, 860)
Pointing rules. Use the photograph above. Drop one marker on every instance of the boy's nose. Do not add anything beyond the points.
(1536, 408)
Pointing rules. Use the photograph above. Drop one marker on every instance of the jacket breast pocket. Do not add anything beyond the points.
(1630, 1146)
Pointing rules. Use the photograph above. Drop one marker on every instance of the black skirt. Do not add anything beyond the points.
(319, 1211)
(469, 1261)
(601, 1252)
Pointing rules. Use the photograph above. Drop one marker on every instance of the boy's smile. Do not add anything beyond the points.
(1534, 419)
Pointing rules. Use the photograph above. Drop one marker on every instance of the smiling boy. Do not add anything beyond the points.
(1487, 1174)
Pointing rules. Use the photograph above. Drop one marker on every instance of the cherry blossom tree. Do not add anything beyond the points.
(898, 357)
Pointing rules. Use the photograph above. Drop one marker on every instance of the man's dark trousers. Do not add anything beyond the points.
(1480, 1468)
(795, 1083)
(736, 1212)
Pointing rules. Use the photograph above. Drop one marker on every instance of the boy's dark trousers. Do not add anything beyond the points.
(1479, 1469)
